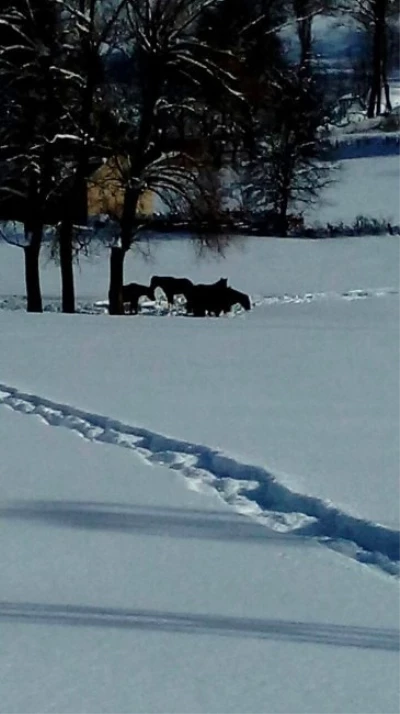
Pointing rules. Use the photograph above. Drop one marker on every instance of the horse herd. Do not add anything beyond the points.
(201, 299)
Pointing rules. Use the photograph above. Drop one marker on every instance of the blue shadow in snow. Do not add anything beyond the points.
(294, 631)
(150, 520)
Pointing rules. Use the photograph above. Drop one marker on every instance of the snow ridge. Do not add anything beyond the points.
(349, 295)
(250, 490)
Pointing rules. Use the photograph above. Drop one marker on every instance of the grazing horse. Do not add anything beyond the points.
(231, 297)
(202, 295)
(132, 292)
(217, 298)
(172, 286)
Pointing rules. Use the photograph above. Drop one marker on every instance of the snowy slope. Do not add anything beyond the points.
(202, 515)
(290, 387)
(125, 591)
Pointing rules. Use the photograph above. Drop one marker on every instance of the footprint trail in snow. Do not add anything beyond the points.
(250, 490)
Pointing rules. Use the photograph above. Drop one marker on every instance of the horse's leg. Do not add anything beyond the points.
(199, 311)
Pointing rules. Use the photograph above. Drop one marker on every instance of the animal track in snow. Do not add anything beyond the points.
(348, 295)
(250, 490)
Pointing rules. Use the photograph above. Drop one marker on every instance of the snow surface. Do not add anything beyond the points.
(202, 515)
(125, 591)
(360, 187)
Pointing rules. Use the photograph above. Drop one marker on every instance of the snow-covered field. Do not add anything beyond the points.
(361, 187)
(202, 515)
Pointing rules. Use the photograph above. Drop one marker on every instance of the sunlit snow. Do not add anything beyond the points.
(202, 515)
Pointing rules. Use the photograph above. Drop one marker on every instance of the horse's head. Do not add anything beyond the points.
(245, 302)
(222, 283)
(154, 282)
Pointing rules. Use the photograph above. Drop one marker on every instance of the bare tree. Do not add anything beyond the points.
(89, 26)
(286, 168)
(52, 60)
(28, 57)
(173, 73)
(374, 16)
(304, 12)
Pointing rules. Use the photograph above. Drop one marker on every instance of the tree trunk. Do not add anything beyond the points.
(75, 211)
(115, 304)
(32, 275)
(131, 199)
(304, 19)
(374, 103)
(374, 79)
(66, 266)
(282, 219)
(304, 26)
(385, 82)
(387, 95)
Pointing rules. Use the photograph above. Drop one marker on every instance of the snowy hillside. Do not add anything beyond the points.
(202, 515)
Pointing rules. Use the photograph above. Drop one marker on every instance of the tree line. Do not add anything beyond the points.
(172, 96)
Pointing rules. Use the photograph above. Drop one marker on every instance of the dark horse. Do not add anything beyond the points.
(132, 292)
(232, 297)
(203, 293)
(172, 286)
(216, 299)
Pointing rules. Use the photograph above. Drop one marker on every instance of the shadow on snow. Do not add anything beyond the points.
(156, 521)
(161, 621)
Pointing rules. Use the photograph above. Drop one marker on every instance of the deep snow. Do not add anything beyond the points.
(125, 591)
(202, 515)
(238, 554)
